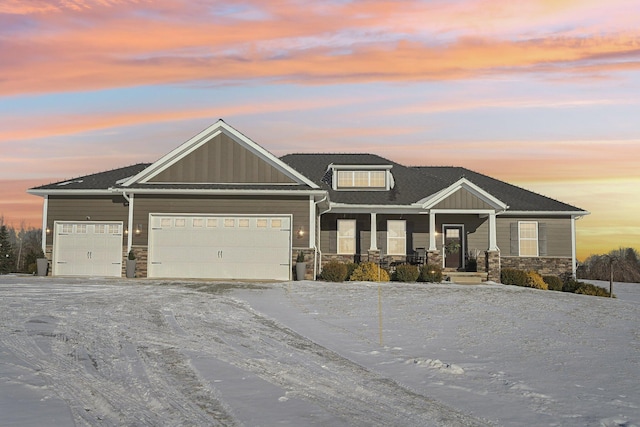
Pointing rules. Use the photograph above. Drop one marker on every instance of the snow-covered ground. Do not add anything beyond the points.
(141, 352)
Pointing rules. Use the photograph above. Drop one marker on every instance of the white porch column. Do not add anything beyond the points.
(493, 241)
(432, 231)
(374, 232)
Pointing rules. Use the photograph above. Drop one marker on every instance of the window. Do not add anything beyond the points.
(396, 237)
(346, 236)
(198, 222)
(243, 223)
(212, 222)
(261, 223)
(361, 179)
(276, 223)
(528, 238)
(165, 222)
(229, 222)
(180, 222)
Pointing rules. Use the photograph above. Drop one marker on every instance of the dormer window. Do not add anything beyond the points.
(362, 177)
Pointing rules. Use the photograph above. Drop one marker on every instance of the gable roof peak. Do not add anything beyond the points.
(202, 141)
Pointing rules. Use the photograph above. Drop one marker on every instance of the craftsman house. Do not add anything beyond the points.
(220, 206)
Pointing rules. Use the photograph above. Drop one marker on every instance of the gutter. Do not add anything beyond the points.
(129, 200)
(318, 230)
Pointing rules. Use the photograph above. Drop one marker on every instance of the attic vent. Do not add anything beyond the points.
(79, 181)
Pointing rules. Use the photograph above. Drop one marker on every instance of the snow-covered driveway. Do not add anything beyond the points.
(115, 352)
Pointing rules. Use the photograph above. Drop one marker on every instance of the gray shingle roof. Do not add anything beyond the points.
(411, 183)
(111, 178)
(96, 181)
(518, 198)
(415, 183)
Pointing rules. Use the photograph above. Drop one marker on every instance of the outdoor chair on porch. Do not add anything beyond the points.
(418, 257)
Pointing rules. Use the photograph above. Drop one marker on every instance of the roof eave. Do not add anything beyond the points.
(211, 191)
(578, 213)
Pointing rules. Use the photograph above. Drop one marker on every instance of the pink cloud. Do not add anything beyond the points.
(363, 41)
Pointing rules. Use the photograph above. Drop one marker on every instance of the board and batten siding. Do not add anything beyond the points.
(230, 205)
(222, 160)
(85, 208)
(558, 235)
(462, 199)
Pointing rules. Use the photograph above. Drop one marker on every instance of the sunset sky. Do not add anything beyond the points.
(544, 94)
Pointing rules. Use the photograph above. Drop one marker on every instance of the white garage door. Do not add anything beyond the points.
(220, 247)
(87, 249)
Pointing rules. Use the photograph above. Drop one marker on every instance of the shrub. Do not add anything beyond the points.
(589, 289)
(369, 272)
(534, 280)
(431, 273)
(351, 267)
(406, 273)
(554, 283)
(571, 285)
(512, 276)
(334, 271)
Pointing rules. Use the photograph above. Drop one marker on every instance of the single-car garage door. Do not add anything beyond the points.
(87, 249)
(220, 246)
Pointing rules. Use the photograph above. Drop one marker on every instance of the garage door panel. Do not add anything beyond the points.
(87, 249)
(221, 247)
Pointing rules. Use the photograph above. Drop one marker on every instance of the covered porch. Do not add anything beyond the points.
(457, 240)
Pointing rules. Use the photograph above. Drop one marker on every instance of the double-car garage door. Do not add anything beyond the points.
(220, 246)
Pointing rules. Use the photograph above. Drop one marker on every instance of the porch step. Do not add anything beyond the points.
(465, 277)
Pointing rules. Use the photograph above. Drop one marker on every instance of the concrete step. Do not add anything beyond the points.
(465, 277)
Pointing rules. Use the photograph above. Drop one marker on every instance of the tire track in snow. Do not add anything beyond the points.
(119, 355)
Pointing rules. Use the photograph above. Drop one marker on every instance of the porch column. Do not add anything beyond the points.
(374, 232)
(432, 231)
(493, 241)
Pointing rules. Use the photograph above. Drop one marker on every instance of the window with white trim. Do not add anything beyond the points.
(528, 238)
(396, 237)
(346, 236)
(361, 179)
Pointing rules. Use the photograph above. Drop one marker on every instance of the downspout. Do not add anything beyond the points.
(45, 209)
(317, 252)
(129, 200)
(574, 265)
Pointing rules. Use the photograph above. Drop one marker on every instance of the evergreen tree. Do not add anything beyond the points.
(6, 252)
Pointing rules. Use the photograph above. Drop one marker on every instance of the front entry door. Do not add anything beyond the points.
(453, 246)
